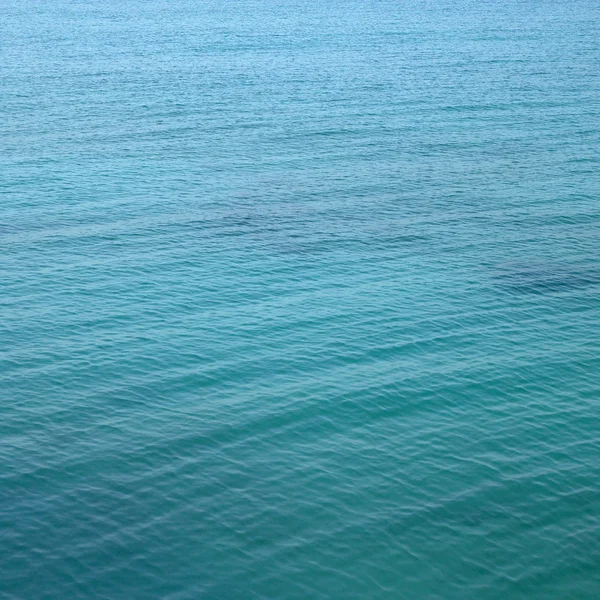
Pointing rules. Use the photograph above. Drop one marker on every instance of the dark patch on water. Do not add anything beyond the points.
(355, 243)
(539, 278)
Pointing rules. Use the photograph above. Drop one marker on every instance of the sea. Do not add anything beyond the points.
(299, 300)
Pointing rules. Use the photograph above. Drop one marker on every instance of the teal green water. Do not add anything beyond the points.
(300, 300)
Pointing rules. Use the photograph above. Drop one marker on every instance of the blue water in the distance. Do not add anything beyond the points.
(300, 300)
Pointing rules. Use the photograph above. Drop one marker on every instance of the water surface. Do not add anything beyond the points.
(300, 300)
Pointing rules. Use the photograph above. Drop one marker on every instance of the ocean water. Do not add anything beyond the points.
(300, 300)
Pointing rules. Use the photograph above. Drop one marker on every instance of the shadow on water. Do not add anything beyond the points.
(541, 278)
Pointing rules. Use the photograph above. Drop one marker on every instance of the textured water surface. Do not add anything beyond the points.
(300, 300)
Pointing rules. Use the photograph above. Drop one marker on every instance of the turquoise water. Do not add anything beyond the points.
(300, 300)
